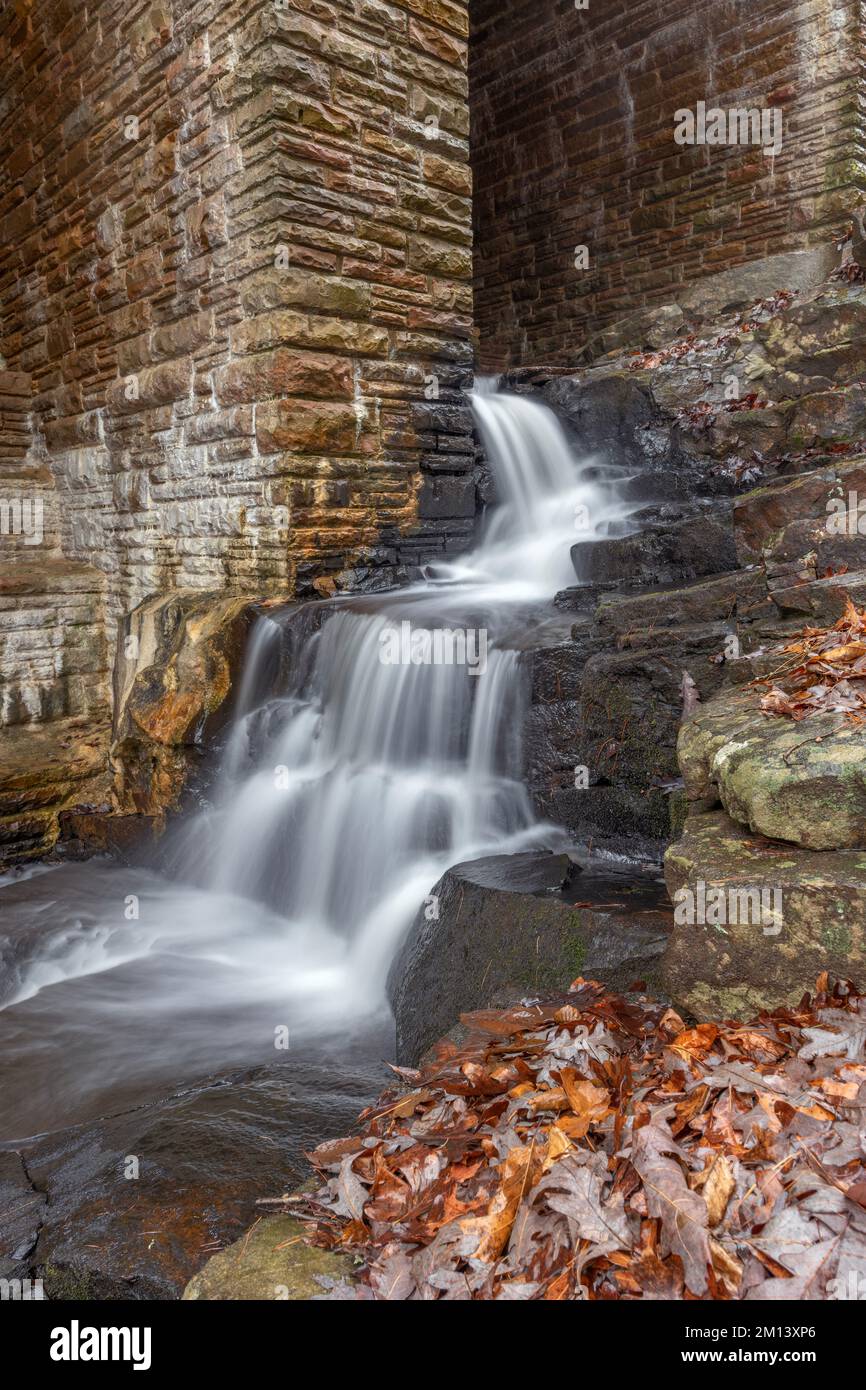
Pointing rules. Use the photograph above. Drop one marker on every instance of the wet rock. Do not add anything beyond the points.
(515, 926)
(800, 782)
(612, 415)
(171, 693)
(137, 1202)
(663, 552)
(606, 707)
(270, 1261)
(441, 497)
(814, 919)
(22, 1207)
(83, 833)
(600, 745)
(707, 600)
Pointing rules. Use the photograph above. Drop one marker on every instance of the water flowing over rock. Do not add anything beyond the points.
(368, 760)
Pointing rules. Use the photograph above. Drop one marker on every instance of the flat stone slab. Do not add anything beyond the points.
(513, 927)
(750, 960)
(270, 1262)
(804, 782)
(713, 600)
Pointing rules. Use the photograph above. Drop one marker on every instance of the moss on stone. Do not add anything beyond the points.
(64, 1284)
(271, 1262)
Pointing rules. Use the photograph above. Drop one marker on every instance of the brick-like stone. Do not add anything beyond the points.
(267, 375)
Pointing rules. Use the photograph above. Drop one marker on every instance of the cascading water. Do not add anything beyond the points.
(375, 743)
(371, 776)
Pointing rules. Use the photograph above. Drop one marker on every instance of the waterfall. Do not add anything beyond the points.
(374, 767)
(375, 742)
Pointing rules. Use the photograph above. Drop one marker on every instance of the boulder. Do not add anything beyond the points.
(802, 782)
(510, 927)
(813, 919)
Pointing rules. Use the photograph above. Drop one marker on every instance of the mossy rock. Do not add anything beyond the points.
(272, 1261)
(800, 782)
(732, 968)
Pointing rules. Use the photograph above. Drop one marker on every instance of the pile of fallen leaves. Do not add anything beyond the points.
(830, 678)
(596, 1148)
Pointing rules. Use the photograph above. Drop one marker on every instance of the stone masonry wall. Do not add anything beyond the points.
(235, 317)
(235, 247)
(572, 139)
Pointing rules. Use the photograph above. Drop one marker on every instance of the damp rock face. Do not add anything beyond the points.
(172, 693)
(511, 927)
(699, 243)
(735, 952)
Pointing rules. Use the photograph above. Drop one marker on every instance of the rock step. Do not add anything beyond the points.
(514, 926)
(804, 783)
(664, 551)
(744, 959)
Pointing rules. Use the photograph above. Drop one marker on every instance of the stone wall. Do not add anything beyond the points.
(573, 145)
(235, 311)
(214, 409)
